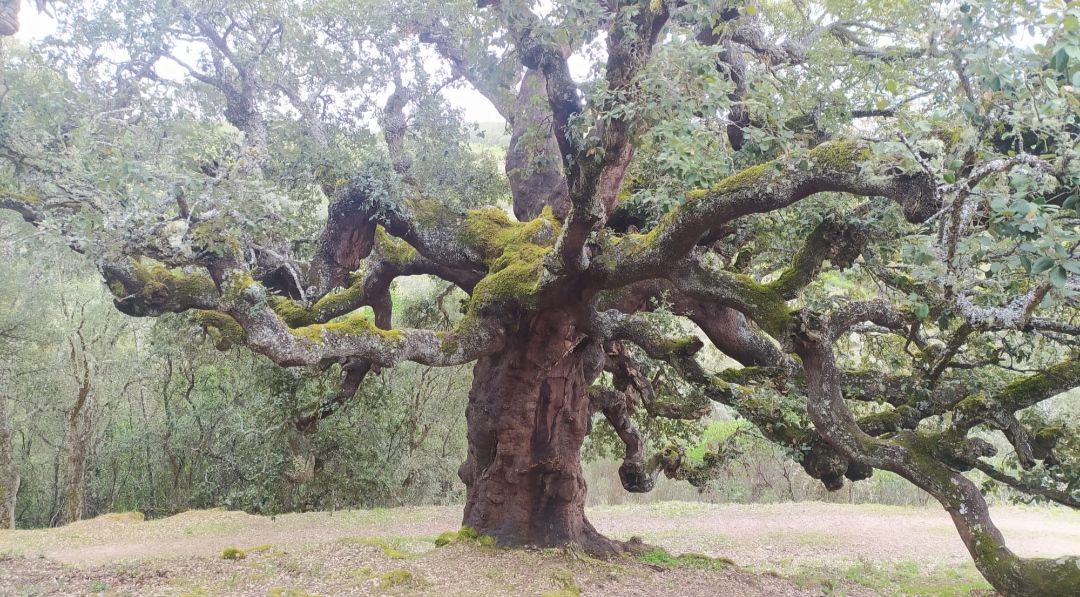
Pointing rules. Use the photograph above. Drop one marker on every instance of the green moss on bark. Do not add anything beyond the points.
(514, 253)
(149, 287)
(355, 324)
(223, 329)
(393, 250)
(767, 307)
(836, 155)
(1024, 576)
(1030, 390)
(334, 304)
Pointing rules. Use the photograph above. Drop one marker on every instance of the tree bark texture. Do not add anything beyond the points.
(528, 415)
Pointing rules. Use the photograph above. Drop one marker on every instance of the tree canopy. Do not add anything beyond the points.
(869, 208)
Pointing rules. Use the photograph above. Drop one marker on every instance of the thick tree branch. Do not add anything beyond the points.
(532, 163)
(349, 234)
(596, 167)
(633, 473)
(489, 75)
(148, 290)
(353, 373)
(817, 458)
(834, 239)
(831, 167)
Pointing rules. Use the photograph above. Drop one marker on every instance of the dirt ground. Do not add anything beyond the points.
(782, 549)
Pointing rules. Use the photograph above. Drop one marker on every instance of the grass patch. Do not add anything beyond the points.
(233, 553)
(399, 578)
(896, 579)
(696, 561)
(362, 573)
(567, 586)
(123, 517)
(285, 592)
(910, 578)
(392, 549)
(679, 509)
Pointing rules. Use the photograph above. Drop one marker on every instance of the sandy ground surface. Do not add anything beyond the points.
(782, 549)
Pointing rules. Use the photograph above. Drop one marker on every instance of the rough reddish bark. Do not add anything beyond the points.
(528, 415)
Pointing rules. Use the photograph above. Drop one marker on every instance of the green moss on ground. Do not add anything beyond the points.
(233, 553)
(388, 548)
(399, 577)
(658, 556)
(465, 535)
(288, 592)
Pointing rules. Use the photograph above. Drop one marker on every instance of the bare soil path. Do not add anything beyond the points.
(781, 549)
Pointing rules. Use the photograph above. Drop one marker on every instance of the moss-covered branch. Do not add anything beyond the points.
(835, 240)
(513, 254)
(26, 206)
(352, 335)
(597, 165)
(223, 329)
(351, 232)
(1026, 392)
(1033, 389)
(141, 287)
(831, 167)
(369, 284)
(146, 288)
(729, 330)
(710, 284)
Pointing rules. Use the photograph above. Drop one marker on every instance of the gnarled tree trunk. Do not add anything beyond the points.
(528, 415)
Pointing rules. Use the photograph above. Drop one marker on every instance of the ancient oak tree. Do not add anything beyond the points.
(853, 223)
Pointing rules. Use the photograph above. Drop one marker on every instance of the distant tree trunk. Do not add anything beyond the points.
(527, 417)
(9, 473)
(9, 17)
(78, 447)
